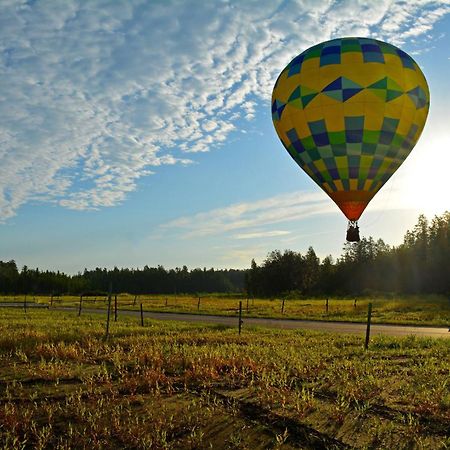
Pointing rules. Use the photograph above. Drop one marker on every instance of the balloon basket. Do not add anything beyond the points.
(353, 231)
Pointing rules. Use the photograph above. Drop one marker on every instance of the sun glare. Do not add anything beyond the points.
(425, 182)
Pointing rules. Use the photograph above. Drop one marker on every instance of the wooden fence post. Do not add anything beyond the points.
(79, 308)
(198, 304)
(142, 316)
(109, 312)
(240, 316)
(354, 304)
(282, 307)
(166, 301)
(369, 317)
(134, 303)
(326, 307)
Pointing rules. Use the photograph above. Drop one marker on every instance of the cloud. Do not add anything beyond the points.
(95, 96)
(417, 19)
(241, 257)
(261, 234)
(252, 215)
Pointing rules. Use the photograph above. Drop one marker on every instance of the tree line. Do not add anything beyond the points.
(149, 280)
(421, 264)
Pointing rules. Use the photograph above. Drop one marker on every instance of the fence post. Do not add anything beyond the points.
(282, 307)
(326, 307)
(109, 311)
(166, 301)
(369, 317)
(115, 308)
(354, 304)
(198, 304)
(79, 308)
(240, 316)
(142, 316)
(134, 303)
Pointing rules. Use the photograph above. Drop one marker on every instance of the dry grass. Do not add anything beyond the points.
(171, 385)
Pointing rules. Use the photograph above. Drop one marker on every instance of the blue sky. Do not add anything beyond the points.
(139, 132)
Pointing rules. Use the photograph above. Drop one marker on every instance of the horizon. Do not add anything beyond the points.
(192, 268)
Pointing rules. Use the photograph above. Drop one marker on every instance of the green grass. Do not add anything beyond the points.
(430, 310)
(179, 385)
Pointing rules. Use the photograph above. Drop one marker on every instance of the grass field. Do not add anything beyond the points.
(419, 310)
(171, 385)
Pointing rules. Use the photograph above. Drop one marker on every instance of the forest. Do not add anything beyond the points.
(421, 264)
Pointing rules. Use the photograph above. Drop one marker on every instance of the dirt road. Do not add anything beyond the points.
(335, 327)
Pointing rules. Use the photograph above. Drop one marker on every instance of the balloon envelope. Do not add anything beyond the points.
(349, 111)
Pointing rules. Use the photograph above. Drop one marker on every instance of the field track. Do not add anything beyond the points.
(334, 327)
(317, 325)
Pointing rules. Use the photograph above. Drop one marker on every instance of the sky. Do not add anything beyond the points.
(139, 132)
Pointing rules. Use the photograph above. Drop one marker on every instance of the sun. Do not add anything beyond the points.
(425, 180)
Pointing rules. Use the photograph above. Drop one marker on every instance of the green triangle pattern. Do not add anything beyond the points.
(381, 93)
(295, 95)
(297, 103)
(391, 95)
(308, 98)
(392, 85)
(337, 95)
(308, 91)
(380, 84)
(301, 96)
(349, 84)
(386, 89)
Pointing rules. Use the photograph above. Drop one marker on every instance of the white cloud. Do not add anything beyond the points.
(250, 215)
(416, 19)
(261, 234)
(95, 96)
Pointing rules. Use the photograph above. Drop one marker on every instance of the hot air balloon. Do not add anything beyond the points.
(349, 111)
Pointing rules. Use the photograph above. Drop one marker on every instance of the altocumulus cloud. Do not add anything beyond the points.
(96, 95)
